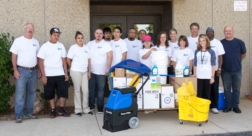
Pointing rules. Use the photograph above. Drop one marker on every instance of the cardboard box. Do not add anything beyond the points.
(138, 86)
(119, 82)
(119, 72)
(140, 101)
(151, 101)
(180, 80)
(167, 97)
(131, 74)
(151, 85)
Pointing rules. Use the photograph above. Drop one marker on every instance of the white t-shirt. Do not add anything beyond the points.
(118, 47)
(26, 51)
(183, 56)
(148, 61)
(204, 60)
(52, 55)
(217, 47)
(163, 48)
(79, 56)
(98, 55)
(193, 42)
(133, 49)
(174, 46)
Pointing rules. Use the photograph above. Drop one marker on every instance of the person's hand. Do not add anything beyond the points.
(16, 74)
(89, 75)
(106, 73)
(153, 49)
(211, 80)
(192, 75)
(39, 74)
(66, 77)
(44, 80)
(218, 73)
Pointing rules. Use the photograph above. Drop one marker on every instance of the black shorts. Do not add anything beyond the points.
(57, 83)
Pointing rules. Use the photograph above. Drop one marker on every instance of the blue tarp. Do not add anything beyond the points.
(132, 66)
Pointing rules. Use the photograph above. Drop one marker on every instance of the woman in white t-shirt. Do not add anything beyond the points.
(183, 55)
(80, 72)
(204, 67)
(145, 53)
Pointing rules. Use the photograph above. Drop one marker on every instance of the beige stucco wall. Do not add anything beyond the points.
(216, 13)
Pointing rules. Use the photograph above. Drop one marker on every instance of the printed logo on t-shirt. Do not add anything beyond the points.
(176, 47)
(117, 46)
(166, 50)
(196, 43)
(185, 54)
(212, 46)
(99, 47)
(34, 45)
(86, 51)
(59, 48)
(134, 46)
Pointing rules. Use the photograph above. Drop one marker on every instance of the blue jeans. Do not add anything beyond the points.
(231, 80)
(25, 91)
(96, 82)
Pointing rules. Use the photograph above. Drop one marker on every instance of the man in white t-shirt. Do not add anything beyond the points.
(101, 59)
(193, 39)
(24, 60)
(118, 46)
(217, 47)
(52, 62)
(133, 45)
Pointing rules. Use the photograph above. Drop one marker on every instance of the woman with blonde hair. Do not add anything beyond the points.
(204, 67)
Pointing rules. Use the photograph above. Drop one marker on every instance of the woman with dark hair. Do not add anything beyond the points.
(183, 55)
(78, 59)
(204, 67)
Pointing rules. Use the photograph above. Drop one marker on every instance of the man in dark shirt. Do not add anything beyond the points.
(231, 74)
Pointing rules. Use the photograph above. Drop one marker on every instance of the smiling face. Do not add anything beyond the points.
(173, 36)
(163, 38)
(98, 34)
(29, 30)
(210, 34)
(194, 31)
(228, 32)
(79, 39)
(54, 37)
(117, 34)
(147, 44)
(141, 34)
(202, 42)
(182, 43)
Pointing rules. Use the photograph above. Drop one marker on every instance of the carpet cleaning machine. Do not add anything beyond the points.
(121, 110)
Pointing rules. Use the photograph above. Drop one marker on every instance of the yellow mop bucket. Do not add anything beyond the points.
(192, 108)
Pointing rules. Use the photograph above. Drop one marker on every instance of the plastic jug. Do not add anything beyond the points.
(179, 70)
(186, 72)
(154, 70)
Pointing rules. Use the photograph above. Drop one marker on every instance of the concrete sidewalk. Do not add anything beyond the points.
(160, 123)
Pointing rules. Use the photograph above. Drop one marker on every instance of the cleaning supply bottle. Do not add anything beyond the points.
(154, 70)
(186, 72)
(179, 70)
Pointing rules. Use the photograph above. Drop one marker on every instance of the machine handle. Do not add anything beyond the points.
(144, 82)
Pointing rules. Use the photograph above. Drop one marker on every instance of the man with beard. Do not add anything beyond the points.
(106, 34)
(133, 45)
(217, 47)
(24, 60)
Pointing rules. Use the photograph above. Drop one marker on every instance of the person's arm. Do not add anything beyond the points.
(174, 63)
(243, 56)
(65, 68)
(69, 62)
(213, 65)
(212, 77)
(89, 68)
(124, 55)
(146, 56)
(14, 64)
(220, 60)
(41, 67)
(169, 61)
(39, 72)
(191, 66)
(194, 71)
(110, 57)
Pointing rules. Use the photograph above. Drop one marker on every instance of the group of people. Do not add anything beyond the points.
(207, 58)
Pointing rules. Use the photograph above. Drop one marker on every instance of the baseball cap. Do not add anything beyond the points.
(146, 38)
(210, 28)
(54, 30)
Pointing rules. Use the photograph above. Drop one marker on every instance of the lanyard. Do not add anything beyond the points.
(202, 58)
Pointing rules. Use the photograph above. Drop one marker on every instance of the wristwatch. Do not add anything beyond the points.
(219, 69)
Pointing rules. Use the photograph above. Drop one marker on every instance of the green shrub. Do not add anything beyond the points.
(6, 89)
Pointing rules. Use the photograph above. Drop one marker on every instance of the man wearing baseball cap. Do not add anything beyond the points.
(52, 62)
(217, 47)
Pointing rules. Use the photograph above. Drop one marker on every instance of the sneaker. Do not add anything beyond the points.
(100, 109)
(215, 110)
(227, 110)
(79, 114)
(53, 114)
(91, 109)
(31, 117)
(63, 113)
(146, 112)
(236, 110)
(18, 120)
(90, 113)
